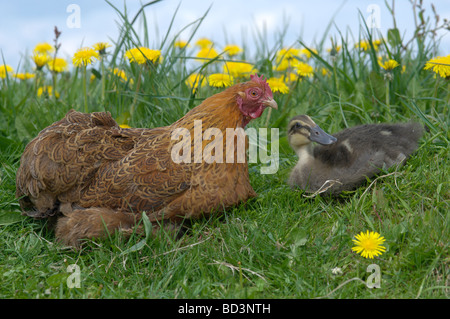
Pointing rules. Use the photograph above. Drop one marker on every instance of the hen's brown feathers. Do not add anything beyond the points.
(126, 169)
(66, 155)
(86, 164)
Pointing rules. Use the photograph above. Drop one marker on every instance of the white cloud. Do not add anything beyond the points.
(266, 21)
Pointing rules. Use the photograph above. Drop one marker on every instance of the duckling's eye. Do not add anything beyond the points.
(298, 125)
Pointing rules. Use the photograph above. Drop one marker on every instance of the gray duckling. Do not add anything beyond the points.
(344, 161)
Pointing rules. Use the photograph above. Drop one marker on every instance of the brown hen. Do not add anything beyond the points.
(94, 177)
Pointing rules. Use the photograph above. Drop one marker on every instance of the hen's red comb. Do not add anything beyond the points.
(262, 81)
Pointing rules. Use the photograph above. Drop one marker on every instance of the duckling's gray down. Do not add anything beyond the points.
(350, 156)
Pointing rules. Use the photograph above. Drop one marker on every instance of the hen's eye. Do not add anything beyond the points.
(253, 93)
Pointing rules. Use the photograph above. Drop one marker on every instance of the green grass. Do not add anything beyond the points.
(278, 245)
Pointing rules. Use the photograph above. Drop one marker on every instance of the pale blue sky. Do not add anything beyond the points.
(24, 23)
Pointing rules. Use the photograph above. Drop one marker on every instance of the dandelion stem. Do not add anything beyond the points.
(388, 100)
(138, 85)
(86, 109)
(37, 81)
(102, 65)
(54, 83)
(436, 86)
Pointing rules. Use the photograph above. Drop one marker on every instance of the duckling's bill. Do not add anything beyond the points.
(302, 130)
(319, 136)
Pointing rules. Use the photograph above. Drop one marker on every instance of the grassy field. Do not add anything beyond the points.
(280, 244)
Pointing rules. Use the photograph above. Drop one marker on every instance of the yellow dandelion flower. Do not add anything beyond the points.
(204, 43)
(46, 91)
(334, 50)
(305, 52)
(278, 85)
(325, 72)
(377, 43)
(84, 57)
(40, 60)
(289, 77)
(43, 48)
(283, 65)
(101, 47)
(389, 65)
(207, 53)
(120, 73)
(369, 244)
(142, 54)
(304, 69)
(195, 80)
(181, 44)
(365, 45)
(287, 58)
(238, 69)
(220, 80)
(4, 69)
(287, 53)
(439, 65)
(24, 76)
(58, 65)
(232, 49)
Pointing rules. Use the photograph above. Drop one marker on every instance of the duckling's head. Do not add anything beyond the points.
(302, 131)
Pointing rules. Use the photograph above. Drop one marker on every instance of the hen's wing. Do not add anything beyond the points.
(65, 157)
(145, 179)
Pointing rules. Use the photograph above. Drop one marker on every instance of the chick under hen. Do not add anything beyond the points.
(95, 177)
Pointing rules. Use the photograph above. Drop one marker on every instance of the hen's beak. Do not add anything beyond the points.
(271, 103)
